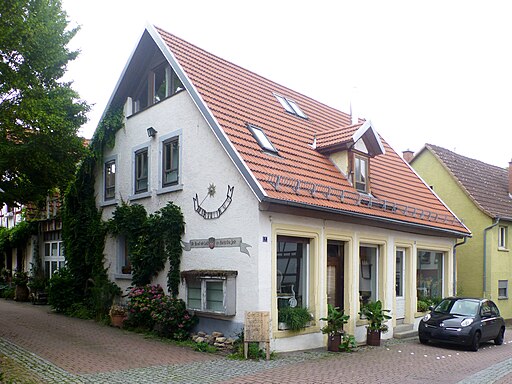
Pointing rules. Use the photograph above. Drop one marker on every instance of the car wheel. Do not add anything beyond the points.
(475, 343)
(423, 340)
(499, 339)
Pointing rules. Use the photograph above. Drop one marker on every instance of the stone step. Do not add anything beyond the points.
(404, 331)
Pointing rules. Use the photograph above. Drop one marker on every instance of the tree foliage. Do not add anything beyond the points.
(40, 114)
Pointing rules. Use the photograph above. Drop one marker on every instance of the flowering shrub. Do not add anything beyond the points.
(149, 308)
(172, 318)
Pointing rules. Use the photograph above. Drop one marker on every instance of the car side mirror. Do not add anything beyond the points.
(431, 308)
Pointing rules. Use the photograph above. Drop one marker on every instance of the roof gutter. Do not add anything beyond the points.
(455, 265)
(485, 254)
(364, 216)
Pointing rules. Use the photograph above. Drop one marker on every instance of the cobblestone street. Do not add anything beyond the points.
(66, 350)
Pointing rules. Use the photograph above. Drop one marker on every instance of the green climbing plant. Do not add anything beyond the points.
(152, 240)
(83, 231)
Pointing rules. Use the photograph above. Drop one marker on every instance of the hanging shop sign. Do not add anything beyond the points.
(212, 243)
(215, 214)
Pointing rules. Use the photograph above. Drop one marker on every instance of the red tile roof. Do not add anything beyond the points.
(300, 174)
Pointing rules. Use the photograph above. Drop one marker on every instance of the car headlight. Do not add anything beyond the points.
(466, 322)
(426, 317)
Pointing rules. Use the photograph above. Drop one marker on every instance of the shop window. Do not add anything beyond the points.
(211, 291)
(368, 274)
(429, 274)
(292, 272)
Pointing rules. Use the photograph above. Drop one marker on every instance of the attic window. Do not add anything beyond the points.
(157, 85)
(262, 139)
(361, 173)
(290, 106)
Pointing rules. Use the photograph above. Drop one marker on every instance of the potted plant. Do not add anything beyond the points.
(376, 317)
(293, 318)
(335, 319)
(20, 280)
(117, 314)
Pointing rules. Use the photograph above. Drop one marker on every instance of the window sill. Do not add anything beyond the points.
(138, 196)
(109, 202)
(173, 188)
(501, 249)
(215, 315)
(282, 333)
(122, 276)
(502, 298)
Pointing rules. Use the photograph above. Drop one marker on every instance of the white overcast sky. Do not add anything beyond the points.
(437, 72)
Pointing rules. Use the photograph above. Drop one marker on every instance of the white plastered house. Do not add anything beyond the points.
(286, 200)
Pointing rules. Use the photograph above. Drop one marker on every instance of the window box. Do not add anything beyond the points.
(211, 291)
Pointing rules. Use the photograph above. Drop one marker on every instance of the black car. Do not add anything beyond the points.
(463, 321)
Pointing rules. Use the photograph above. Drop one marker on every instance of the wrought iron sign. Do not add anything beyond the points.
(209, 215)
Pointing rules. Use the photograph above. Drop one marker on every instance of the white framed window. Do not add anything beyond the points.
(293, 264)
(361, 173)
(502, 237)
(502, 289)
(211, 291)
(53, 257)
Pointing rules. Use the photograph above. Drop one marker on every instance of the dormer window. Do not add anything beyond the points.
(361, 173)
(159, 83)
(262, 139)
(290, 106)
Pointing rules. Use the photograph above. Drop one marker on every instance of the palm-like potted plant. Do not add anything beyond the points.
(335, 319)
(376, 317)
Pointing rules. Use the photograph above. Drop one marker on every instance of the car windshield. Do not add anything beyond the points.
(463, 307)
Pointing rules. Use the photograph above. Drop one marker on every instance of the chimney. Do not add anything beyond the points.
(408, 155)
(510, 178)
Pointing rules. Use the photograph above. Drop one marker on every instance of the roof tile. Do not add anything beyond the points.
(299, 173)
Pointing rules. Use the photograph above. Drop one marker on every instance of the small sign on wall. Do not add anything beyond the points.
(212, 243)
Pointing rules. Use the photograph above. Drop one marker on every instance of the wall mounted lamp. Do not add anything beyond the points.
(151, 132)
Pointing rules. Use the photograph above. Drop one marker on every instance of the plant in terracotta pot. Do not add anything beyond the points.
(117, 314)
(376, 317)
(335, 319)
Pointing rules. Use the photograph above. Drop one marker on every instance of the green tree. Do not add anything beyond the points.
(40, 114)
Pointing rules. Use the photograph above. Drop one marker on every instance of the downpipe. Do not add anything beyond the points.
(485, 254)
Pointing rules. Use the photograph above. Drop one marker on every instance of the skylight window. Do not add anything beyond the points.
(290, 106)
(262, 139)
